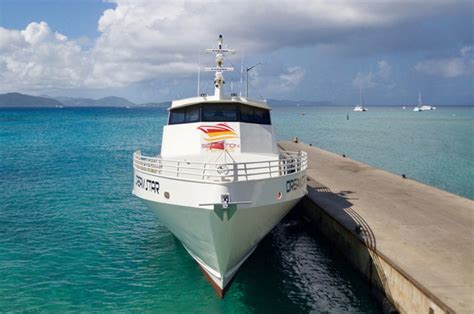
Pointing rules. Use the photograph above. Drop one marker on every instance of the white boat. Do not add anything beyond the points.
(422, 107)
(360, 107)
(220, 183)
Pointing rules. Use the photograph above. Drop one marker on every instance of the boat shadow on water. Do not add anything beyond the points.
(350, 233)
(299, 269)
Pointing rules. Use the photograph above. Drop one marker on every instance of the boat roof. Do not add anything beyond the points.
(215, 99)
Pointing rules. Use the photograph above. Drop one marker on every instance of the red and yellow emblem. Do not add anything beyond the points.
(218, 132)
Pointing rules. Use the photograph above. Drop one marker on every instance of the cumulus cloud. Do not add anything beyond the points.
(275, 81)
(142, 40)
(292, 77)
(168, 27)
(37, 58)
(373, 78)
(462, 65)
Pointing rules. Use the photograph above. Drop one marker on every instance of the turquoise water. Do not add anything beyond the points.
(435, 147)
(73, 238)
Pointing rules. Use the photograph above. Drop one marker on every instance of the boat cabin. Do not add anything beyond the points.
(206, 126)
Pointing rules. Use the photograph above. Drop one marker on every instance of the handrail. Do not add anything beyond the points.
(288, 163)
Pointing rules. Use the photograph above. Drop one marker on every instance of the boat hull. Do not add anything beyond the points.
(221, 239)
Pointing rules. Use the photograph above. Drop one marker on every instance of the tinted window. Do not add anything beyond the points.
(223, 112)
(254, 115)
(218, 112)
(246, 114)
(262, 116)
(192, 114)
(177, 116)
(184, 115)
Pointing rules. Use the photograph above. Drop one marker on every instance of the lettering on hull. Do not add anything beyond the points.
(296, 183)
(147, 184)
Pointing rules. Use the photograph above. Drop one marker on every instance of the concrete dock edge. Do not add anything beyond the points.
(402, 292)
(413, 243)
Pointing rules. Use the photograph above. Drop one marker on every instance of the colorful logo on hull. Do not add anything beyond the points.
(218, 132)
(217, 135)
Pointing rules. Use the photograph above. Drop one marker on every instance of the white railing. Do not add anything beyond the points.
(288, 163)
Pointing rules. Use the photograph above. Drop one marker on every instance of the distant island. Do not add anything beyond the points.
(17, 100)
(110, 101)
(20, 100)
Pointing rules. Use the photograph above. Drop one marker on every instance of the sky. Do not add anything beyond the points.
(150, 51)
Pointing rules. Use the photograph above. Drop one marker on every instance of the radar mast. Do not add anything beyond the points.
(219, 68)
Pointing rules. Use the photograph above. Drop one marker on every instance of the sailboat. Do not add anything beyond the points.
(422, 107)
(220, 183)
(360, 107)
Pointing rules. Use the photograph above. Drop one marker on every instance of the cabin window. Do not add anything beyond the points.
(184, 115)
(192, 114)
(246, 114)
(254, 115)
(177, 116)
(219, 113)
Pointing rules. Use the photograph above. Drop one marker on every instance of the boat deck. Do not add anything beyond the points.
(426, 234)
(223, 167)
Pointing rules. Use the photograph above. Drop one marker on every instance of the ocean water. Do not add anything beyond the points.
(73, 238)
(435, 147)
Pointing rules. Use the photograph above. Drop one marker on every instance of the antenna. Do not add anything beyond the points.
(247, 72)
(199, 73)
(219, 68)
(241, 75)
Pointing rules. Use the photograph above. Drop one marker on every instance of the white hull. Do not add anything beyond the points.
(220, 184)
(220, 245)
(424, 108)
(219, 239)
(359, 109)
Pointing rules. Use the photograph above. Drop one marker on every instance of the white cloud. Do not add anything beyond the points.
(142, 40)
(36, 59)
(36, 33)
(292, 78)
(371, 79)
(463, 65)
(465, 51)
(268, 83)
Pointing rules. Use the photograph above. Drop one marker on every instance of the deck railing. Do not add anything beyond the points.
(288, 162)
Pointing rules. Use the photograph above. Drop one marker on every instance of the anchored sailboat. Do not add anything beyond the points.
(422, 107)
(360, 107)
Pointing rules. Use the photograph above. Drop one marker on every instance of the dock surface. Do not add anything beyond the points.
(426, 233)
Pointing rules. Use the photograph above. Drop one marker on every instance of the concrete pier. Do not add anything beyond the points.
(413, 242)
